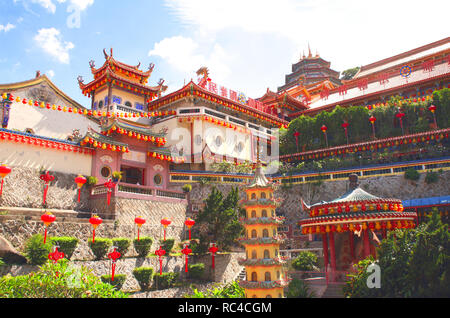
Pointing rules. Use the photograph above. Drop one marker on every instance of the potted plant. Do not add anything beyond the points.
(116, 176)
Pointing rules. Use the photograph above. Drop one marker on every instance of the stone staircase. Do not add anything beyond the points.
(333, 291)
(241, 276)
(32, 214)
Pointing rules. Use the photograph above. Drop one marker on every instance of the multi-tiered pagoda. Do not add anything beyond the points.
(263, 265)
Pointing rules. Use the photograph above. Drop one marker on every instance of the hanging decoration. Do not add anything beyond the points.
(165, 223)
(400, 116)
(103, 145)
(186, 251)
(4, 171)
(296, 135)
(48, 218)
(189, 223)
(160, 252)
(80, 181)
(113, 256)
(95, 221)
(213, 250)
(56, 255)
(345, 126)
(324, 130)
(139, 222)
(110, 185)
(432, 109)
(47, 178)
(372, 120)
(158, 141)
(165, 157)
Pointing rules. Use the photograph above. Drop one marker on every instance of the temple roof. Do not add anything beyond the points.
(132, 126)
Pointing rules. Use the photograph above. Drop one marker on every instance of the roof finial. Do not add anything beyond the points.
(309, 51)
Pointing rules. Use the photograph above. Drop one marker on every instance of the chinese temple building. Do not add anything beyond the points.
(352, 224)
(264, 267)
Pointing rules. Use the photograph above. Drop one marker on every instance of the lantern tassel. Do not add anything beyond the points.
(164, 234)
(213, 263)
(45, 192)
(1, 188)
(109, 197)
(160, 266)
(186, 265)
(45, 235)
(189, 234)
(93, 236)
(79, 194)
(138, 233)
(113, 270)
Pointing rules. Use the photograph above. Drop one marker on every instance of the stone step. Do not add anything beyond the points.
(333, 291)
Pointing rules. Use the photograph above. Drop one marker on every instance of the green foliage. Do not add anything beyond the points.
(187, 188)
(197, 271)
(2, 263)
(230, 167)
(412, 174)
(122, 244)
(349, 74)
(143, 246)
(413, 263)
(100, 247)
(66, 244)
(220, 220)
(431, 177)
(36, 252)
(167, 245)
(117, 283)
(117, 175)
(92, 180)
(144, 276)
(305, 261)
(299, 289)
(164, 281)
(441, 99)
(231, 290)
(57, 281)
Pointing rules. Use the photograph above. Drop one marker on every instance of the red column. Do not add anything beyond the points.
(352, 246)
(325, 250)
(366, 243)
(332, 256)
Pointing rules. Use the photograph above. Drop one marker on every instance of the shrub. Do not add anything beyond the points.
(431, 177)
(1, 262)
(57, 281)
(167, 245)
(187, 188)
(92, 180)
(66, 244)
(36, 252)
(197, 271)
(231, 290)
(144, 276)
(299, 289)
(143, 246)
(122, 244)
(305, 261)
(117, 283)
(412, 174)
(166, 280)
(100, 247)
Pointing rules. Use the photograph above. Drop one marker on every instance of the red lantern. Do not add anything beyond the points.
(46, 178)
(296, 134)
(109, 185)
(400, 116)
(160, 253)
(48, 218)
(432, 109)
(165, 223)
(324, 130)
(4, 171)
(372, 120)
(189, 223)
(113, 256)
(186, 251)
(139, 222)
(56, 255)
(95, 222)
(80, 181)
(345, 126)
(213, 250)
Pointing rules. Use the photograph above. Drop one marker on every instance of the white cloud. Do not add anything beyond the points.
(7, 27)
(183, 54)
(51, 73)
(51, 42)
(50, 5)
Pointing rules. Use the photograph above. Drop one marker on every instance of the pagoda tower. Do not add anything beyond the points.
(263, 265)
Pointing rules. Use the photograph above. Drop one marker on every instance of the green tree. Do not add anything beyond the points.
(349, 73)
(220, 217)
(413, 263)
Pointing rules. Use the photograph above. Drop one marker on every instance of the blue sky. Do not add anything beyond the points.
(248, 45)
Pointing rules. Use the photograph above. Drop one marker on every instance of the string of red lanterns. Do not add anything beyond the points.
(159, 141)
(163, 157)
(48, 218)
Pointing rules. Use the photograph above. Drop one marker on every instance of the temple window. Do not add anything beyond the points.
(139, 106)
(263, 195)
(100, 104)
(266, 254)
(274, 232)
(265, 233)
(253, 214)
(270, 195)
(264, 213)
(267, 277)
(157, 179)
(218, 141)
(254, 277)
(128, 104)
(132, 175)
(254, 255)
(254, 234)
(253, 196)
(105, 172)
(278, 275)
(117, 100)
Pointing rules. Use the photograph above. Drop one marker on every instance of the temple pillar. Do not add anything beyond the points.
(366, 243)
(352, 246)
(325, 250)
(332, 256)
